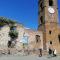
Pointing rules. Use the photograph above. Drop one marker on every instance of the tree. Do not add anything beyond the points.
(13, 34)
(6, 21)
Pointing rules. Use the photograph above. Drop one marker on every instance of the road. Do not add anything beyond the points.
(18, 57)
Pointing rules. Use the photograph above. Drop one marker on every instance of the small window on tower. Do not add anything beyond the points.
(59, 38)
(41, 5)
(50, 2)
(50, 32)
(41, 19)
(50, 42)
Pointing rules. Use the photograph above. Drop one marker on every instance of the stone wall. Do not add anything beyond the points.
(4, 37)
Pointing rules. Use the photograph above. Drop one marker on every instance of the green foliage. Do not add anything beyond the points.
(12, 27)
(4, 21)
(13, 34)
(2, 24)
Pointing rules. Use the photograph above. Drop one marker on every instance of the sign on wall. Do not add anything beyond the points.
(25, 39)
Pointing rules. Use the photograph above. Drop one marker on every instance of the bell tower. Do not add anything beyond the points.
(48, 22)
(47, 12)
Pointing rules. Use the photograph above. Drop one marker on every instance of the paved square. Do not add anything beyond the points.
(18, 57)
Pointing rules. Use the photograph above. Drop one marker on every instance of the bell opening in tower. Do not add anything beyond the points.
(50, 2)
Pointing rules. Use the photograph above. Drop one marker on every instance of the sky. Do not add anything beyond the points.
(23, 11)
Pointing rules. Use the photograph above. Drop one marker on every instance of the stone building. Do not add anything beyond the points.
(31, 39)
(35, 40)
(48, 33)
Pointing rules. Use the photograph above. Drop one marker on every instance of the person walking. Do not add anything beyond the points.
(50, 51)
(55, 52)
(40, 52)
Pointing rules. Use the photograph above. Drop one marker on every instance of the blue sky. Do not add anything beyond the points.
(23, 11)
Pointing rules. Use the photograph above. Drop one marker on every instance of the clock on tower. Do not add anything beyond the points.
(51, 10)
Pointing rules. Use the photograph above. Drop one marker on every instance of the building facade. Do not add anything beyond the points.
(28, 39)
(47, 36)
(48, 24)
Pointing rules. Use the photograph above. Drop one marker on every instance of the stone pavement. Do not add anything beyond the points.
(29, 57)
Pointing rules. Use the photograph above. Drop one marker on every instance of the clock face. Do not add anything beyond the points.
(51, 10)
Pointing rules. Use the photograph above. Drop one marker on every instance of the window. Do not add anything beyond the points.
(37, 38)
(50, 42)
(41, 5)
(50, 32)
(50, 2)
(59, 38)
(41, 19)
